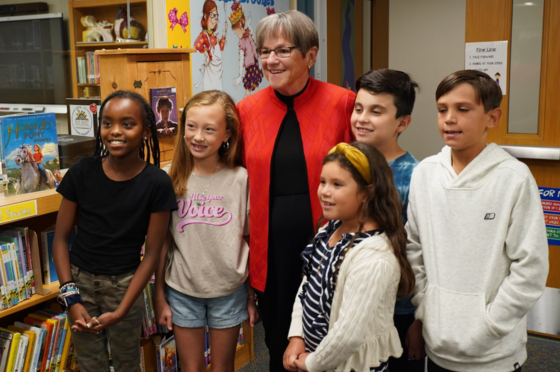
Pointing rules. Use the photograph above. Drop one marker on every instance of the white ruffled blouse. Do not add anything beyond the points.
(361, 331)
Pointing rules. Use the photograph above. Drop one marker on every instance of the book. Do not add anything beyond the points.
(49, 268)
(31, 336)
(16, 266)
(27, 243)
(10, 278)
(26, 141)
(45, 361)
(40, 334)
(16, 336)
(166, 353)
(164, 106)
(15, 236)
(51, 358)
(5, 345)
(21, 353)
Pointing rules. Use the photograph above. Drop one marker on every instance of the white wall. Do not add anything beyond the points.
(426, 40)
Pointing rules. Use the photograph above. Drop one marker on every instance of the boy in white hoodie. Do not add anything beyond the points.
(476, 237)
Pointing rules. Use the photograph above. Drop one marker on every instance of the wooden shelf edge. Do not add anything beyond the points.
(48, 201)
(145, 51)
(81, 44)
(34, 300)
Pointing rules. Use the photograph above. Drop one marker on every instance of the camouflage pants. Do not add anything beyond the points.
(101, 294)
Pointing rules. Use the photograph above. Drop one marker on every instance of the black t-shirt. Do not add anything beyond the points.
(113, 215)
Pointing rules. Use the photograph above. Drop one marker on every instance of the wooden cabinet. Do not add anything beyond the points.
(140, 70)
(101, 10)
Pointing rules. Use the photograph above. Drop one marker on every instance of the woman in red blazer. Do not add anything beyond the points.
(287, 130)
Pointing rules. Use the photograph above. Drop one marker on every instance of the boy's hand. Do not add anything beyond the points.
(253, 313)
(81, 317)
(163, 313)
(415, 341)
(292, 353)
(300, 362)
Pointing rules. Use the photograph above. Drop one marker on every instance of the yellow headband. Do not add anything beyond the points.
(356, 158)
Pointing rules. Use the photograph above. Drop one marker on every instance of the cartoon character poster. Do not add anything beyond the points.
(223, 35)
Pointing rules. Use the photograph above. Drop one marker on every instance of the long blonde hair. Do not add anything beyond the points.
(183, 163)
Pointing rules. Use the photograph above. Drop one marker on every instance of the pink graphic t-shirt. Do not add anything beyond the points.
(209, 257)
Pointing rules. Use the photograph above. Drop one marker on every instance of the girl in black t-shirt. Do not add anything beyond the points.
(120, 201)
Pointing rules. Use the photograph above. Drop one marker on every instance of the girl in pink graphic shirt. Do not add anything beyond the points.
(204, 264)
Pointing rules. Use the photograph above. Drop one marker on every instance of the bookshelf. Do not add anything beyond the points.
(48, 202)
(101, 10)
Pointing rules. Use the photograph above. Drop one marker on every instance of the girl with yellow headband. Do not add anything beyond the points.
(354, 268)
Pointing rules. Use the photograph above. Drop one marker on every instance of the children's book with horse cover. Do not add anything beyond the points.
(29, 153)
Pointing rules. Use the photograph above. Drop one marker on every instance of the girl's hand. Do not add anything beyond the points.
(253, 312)
(293, 352)
(163, 313)
(103, 321)
(81, 317)
(300, 362)
(415, 342)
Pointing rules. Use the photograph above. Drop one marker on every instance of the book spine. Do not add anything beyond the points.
(12, 285)
(147, 320)
(23, 267)
(4, 285)
(18, 272)
(45, 244)
(13, 352)
(8, 268)
(22, 352)
(30, 262)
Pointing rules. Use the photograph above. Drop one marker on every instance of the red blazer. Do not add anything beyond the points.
(323, 112)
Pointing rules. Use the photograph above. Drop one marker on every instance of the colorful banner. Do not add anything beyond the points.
(550, 198)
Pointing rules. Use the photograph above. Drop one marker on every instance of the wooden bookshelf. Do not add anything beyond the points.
(102, 10)
(34, 300)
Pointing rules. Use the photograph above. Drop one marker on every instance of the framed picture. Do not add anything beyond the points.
(82, 116)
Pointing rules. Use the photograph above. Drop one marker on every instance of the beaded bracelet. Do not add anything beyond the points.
(69, 294)
(252, 297)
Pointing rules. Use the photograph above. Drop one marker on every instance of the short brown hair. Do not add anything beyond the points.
(487, 91)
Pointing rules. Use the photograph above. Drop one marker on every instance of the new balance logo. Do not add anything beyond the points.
(490, 216)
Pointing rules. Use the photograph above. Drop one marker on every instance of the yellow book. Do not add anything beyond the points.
(66, 347)
(30, 348)
(13, 349)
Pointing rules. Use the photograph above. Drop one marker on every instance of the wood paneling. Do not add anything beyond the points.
(358, 39)
(334, 42)
(380, 34)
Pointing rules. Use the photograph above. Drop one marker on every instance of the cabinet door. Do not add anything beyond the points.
(160, 75)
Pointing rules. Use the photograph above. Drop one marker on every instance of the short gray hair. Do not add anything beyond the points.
(293, 26)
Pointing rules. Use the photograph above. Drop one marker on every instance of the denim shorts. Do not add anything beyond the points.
(218, 313)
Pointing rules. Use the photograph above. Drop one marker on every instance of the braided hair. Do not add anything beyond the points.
(150, 145)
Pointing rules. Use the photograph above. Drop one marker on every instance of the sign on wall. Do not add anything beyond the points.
(489, 57)
(550, 198)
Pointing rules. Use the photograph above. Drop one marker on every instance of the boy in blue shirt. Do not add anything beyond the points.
(382, 111)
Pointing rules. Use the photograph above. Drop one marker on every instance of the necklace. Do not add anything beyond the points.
(207, 186)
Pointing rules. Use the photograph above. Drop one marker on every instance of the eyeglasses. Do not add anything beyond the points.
(213, 15)
(281, 52)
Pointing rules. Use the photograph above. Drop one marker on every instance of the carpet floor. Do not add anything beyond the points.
(543, 354)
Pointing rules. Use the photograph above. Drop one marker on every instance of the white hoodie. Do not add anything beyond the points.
(478, 247)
